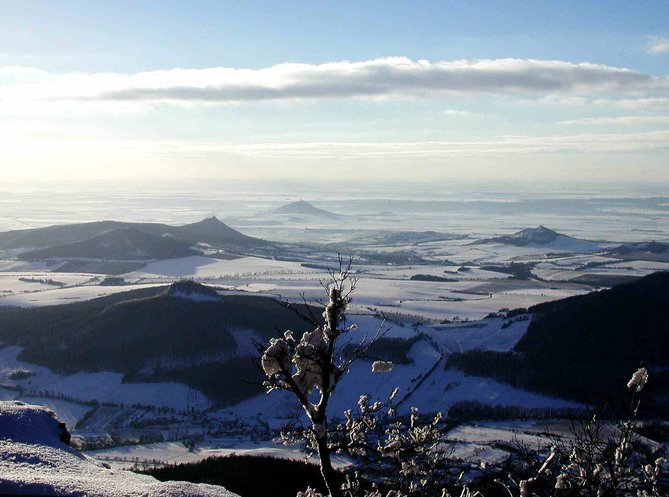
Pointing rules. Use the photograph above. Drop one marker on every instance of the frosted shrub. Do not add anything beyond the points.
(600, 459)
(638, 380)
(382, 367)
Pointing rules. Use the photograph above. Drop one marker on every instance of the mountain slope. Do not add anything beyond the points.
(304, 208)
(118, 244)
(52, 236)
(184, 332)
(214, 232)
(211, 231)
(603, 337)
(181, 322)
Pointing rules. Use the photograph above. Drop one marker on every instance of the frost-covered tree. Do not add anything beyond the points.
(402, 455)
(311, 366)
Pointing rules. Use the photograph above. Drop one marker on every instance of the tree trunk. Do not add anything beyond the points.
(327, 471)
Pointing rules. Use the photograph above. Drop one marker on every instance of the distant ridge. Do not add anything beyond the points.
(542, 236)
(210, 231)
(117, 244)
(641, 250)
(303, 207)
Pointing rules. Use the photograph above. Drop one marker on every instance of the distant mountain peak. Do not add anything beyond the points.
(305, 208)
(214, 231)
(209, 221)
(540, 235)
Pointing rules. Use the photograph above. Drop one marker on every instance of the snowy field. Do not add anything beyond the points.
(86, 387)
(469, 293)
(176, 453)
(205, 268)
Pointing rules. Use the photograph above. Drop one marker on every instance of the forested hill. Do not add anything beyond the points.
(602, 337)
(118, 244)
(127, 331)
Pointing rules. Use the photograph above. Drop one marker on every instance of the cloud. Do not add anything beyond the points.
(618, 120)
(378, 78)
(657, 45)
(563, 101)
(634, 103)
(20, 71)
(458, 113)
(502, 145)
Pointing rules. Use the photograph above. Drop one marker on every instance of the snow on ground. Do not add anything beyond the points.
(443, 388)
(13, 283)
(450, 272)
(477, 453)
(564, 243)
(209, 268)
(464, 252)
(67, 412)
(176, 453)
(546, 294)
(641, 265)
(470, 438)
(35, 461)
(496, 431)
(109, 387)
(490, 334)
(24, 266)
(368, 326)
(423, 382)
(58, 296)
(280, 407)
(102, 386)
(463, 305)
(9, 364)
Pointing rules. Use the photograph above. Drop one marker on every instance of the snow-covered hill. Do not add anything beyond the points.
(36, 460)
(545, 238)
(301, 207)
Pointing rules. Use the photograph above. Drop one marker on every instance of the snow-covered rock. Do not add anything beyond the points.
(36, 460)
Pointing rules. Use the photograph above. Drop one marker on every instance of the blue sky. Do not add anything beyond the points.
(467, 90)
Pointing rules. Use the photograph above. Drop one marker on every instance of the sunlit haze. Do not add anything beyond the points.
(570, 91)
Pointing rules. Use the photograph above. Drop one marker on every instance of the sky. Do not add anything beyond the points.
(359, 90)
